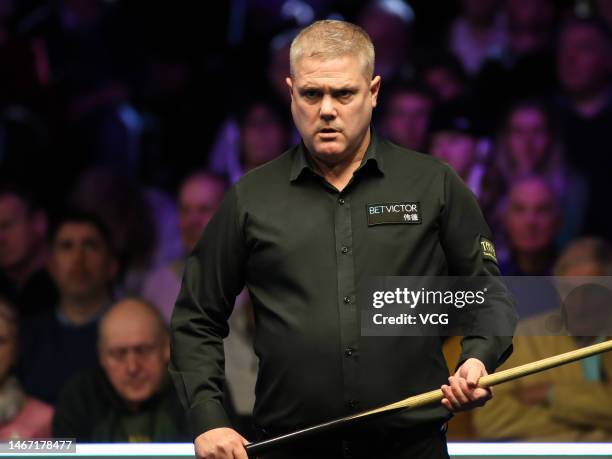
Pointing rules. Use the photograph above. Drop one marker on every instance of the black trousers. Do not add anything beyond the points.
(424, 442)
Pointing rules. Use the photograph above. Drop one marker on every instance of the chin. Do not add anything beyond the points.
(138, 397)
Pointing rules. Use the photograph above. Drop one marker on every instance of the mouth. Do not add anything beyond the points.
(328, 131)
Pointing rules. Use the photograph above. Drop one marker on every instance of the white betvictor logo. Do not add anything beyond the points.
(393, 208)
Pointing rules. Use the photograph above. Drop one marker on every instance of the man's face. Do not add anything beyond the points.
(134, 354)
(455, 148)
(532, 217)
(332, 102)
(583, 59)
(407, 120)
(199, 198)
(529, 24)
(20, 231)
(81, 262)
(528, 139)
(263, 136)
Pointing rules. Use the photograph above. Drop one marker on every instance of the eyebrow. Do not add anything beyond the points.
(310, 87)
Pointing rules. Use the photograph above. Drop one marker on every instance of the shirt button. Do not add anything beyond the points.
(348, 351)
(341, 201)
(345, 249)
(347, 299)
(352, 403)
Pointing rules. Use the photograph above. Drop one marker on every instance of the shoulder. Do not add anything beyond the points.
(37, 410)
(275, 171)
(398, 160)
(89, 387)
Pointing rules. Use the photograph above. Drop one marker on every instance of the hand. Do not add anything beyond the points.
(463, 393)
(533, 394)
(220, 443)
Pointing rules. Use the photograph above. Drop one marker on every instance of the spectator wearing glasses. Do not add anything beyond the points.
(128, 398)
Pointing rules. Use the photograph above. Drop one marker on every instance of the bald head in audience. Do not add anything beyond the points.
(134, 350)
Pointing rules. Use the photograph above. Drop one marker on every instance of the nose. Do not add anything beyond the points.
(328, 111)
(131, 362)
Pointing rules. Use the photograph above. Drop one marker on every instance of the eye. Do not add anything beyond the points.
(310, 93)
(343, 94)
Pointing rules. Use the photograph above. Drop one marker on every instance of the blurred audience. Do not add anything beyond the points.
(24, 278)
(199, 196)
(455, 138)
(529, 144)
(532, 219)
(260, 132)
(525, 67)
(567, 403)
(444, 76)
(57, 343)
(21, 416)
(101, 112)
(406, 114)
(142, 222)
(389, 23)
(129, 397)
(477, 33)
(584, 66)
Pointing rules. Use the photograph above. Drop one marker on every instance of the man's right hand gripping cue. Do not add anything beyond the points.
(220, 443)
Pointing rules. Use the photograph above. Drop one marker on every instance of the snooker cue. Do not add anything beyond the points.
(426, 398)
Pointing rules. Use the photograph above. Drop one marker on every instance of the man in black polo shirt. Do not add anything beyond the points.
(302, 232)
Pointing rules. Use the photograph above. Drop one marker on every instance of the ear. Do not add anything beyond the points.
(289, 82)
(167, 350)
(374, 88)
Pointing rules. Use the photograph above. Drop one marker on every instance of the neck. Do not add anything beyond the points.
(533, 262)
(339, 174)
(590, 103)
(79, 310)
(21, 272)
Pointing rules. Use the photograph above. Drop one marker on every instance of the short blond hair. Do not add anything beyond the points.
(330, 39)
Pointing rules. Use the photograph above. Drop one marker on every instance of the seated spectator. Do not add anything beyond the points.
(129, 398)
(264, 132)
(199, 196)
(21, 417)
(531, 218)
(405, 117)
(24, 279)
(390, 25)
(529, 145)
(259, 132)
(584, 107)
(568, 403)
(63, 340)
(142, 222)
(444, 76)
(523, 68)
(456, 139)
(477, 33)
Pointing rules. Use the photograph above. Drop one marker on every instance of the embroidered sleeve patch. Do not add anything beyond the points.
(488, 249)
